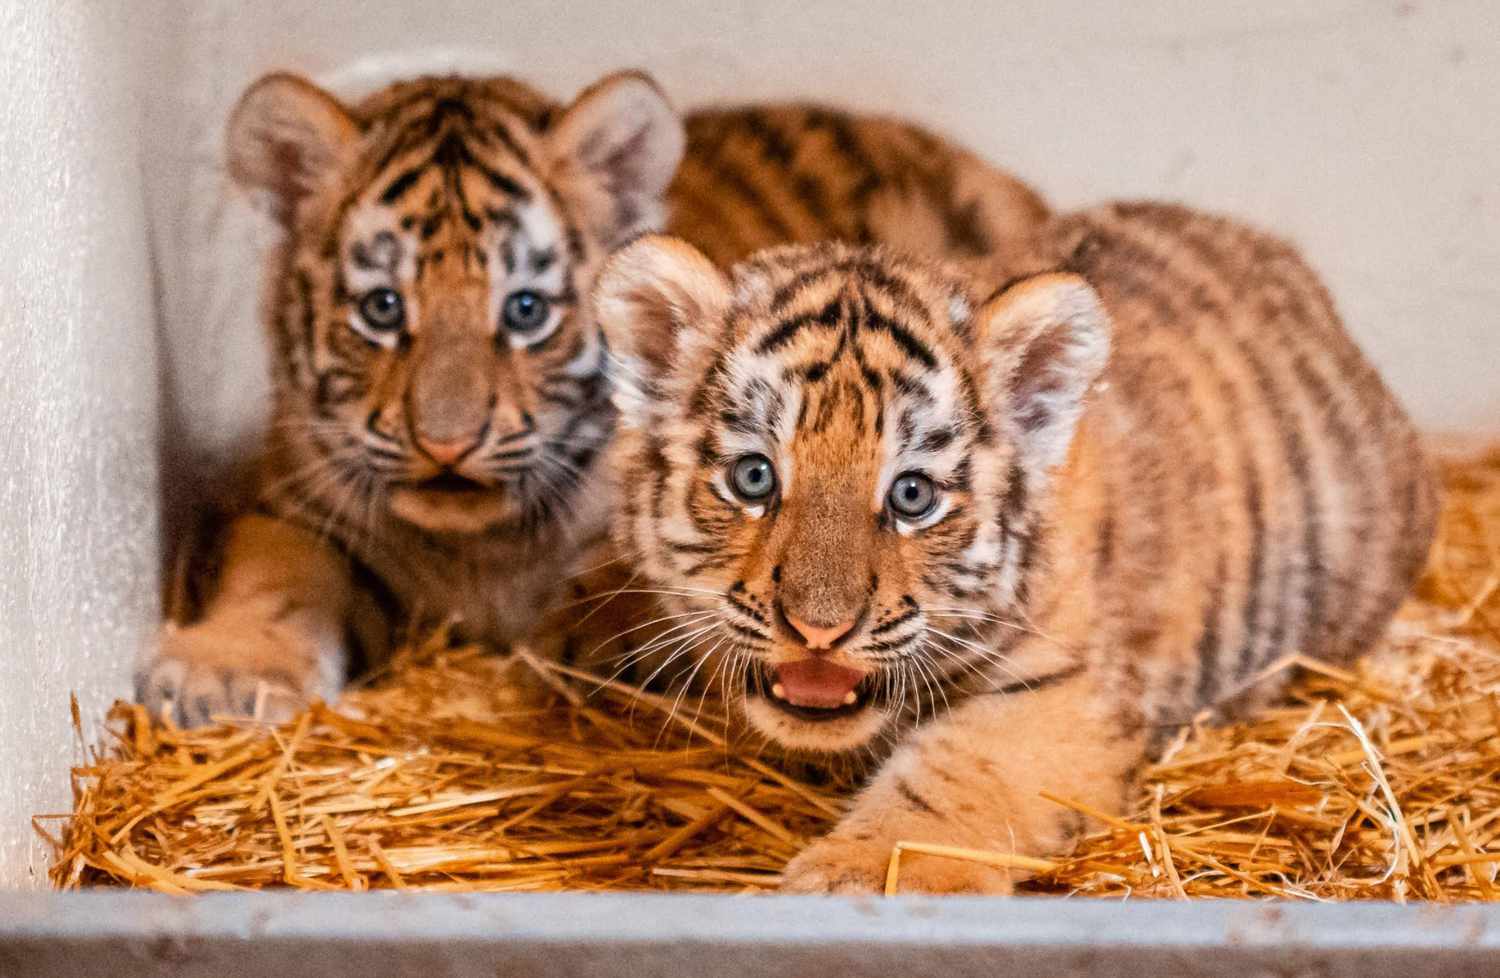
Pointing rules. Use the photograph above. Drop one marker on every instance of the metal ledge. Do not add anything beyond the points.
(118, 935)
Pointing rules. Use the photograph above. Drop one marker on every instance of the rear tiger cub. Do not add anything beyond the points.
(1003, 540)
(440, 401)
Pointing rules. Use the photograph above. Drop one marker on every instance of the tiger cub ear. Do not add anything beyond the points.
(660, 302)
(289, 137)
(1046, 340)
(615, 150)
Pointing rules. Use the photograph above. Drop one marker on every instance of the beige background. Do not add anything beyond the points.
(1367, 131)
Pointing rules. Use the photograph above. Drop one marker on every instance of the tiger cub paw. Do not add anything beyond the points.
(857, 858)
(834, 865)
(232, 669)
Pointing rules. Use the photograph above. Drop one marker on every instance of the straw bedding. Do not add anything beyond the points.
(1378, 782)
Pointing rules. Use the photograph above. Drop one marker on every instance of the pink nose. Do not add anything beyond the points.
(446, 452)
(819, 638)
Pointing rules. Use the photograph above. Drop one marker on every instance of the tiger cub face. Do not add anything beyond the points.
(835, 455)
(434, 362)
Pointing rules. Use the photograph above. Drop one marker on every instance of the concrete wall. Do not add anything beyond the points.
(78, 397)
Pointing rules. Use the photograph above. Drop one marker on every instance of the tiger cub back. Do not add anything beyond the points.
(758, 176)
(1004, 535)
(1235, 393)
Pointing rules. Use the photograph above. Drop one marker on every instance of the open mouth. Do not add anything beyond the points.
(451, 482)
(811, 689)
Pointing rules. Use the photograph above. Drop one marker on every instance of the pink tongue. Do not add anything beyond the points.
(814, 682)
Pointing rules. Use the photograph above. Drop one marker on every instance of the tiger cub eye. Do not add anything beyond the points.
(752, 477)
(526, 311)
(912, 495)
(383, 310)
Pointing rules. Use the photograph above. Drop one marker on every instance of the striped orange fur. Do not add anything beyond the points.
(761, 176)
(440, 398)
(1004, 536)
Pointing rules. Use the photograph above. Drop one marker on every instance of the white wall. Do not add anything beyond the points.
(1367, 131)
(78, 394)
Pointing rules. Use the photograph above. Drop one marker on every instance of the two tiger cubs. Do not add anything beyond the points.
(987, 496)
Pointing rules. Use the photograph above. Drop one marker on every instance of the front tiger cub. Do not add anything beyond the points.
(440, 402)
(1005, 542)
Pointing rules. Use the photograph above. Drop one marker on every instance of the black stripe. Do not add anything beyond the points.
(543, 260)
(784, 333)
(1037, 683)
(798, 282)
(406, 142)
(937, 440)
(1209, 640)
(743, 631)
(309, 318)
(727, 174)
(745, 609)
(867, 176)
(780, 149)
(897, 290)
(896, 622)
(1294, 448)
(707, 564)
(731, 177)
(775, 148)
(916, 801)
(908, 343)
(1016, 280)
(337, 386)
(398, 187)
(502, 218)
(910, 386)
(962, 479)
(559, 399)
(509, 142)
(658, 468)
(500, 181)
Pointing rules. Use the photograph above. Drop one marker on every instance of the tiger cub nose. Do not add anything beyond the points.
(817, 637)
(446, 452)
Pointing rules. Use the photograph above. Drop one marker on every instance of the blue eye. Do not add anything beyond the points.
(752, 477)
(526, 311)
(383, 310)
(912, 495)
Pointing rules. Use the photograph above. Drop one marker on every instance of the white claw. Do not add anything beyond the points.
(850, 698)
(778, 691)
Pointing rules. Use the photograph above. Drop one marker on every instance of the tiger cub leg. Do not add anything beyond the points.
(973, 779)
(273, 635)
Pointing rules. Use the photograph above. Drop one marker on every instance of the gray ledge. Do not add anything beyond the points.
(118, 934)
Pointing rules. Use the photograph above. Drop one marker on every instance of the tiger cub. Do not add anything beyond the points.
(1003, 537)
(440, 402)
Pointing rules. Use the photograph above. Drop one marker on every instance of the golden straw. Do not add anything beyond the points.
(1378, 779)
